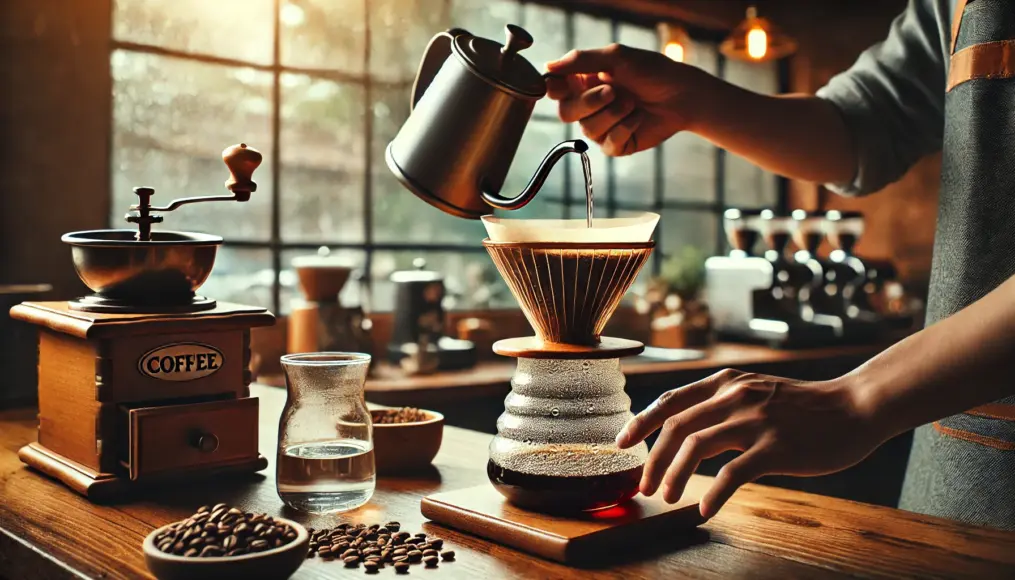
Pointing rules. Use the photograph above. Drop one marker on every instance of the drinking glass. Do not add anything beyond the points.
(325, 437)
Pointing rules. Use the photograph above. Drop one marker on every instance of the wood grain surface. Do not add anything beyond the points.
(763, 532)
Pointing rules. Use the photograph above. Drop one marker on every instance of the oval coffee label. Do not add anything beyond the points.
(181, 361)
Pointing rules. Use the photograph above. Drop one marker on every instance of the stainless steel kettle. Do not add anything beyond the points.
(467, 117)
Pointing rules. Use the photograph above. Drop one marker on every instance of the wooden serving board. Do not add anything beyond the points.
(585, 538)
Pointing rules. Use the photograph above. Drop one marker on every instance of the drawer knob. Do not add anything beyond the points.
(206, 442)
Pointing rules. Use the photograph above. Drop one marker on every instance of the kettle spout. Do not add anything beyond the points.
(500, 202)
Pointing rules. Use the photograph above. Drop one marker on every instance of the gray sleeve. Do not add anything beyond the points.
(892, 98)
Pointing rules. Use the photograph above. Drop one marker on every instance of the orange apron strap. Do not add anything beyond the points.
(960, 7)
(994, 411)
(990, 60)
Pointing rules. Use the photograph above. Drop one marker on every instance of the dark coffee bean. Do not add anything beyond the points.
(400, 551)
(437, 544)
(342, 546)
(192, 553)
(211, 552)
(349, 552)
(430, 561)
(219, 506)
(242, 529)
(382, 541)
(324, 549)
(165, 545)
(430, 552)
(448, 555)
(230, 542)
(402, 567)
(203, 509)
(383, 530)
(235, 512)
(195, 542)
(371, 551)
(415, 556)
(237, 552)
(311, 554)
(351, 561)
(421, 535)
(179, 547)
(370, 567)
(215, 515)
(258, 545)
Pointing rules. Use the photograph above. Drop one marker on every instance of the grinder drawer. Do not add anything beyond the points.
(175, 438)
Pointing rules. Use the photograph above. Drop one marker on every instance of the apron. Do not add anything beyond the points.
(963, 467)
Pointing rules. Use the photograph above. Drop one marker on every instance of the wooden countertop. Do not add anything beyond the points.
(492, 378)
(47, 531)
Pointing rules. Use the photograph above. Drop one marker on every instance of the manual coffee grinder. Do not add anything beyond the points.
(145, 381)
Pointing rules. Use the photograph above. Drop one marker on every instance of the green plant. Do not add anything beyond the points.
(683, 273)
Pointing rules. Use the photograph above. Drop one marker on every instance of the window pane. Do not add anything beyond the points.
(470, 279)
(591, 32)
(323, 34)
(398, 215)
(705, 56)
(241, 275)
(746, 184)
(171, 120)
(323, 154)
(238, 29)
(680, 227)
(290, 289)
(399, 33)
(688, 168)
(485, 18)
(635, 174)
(548, 27)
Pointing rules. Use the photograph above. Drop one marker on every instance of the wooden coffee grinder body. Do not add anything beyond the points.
(129, 400)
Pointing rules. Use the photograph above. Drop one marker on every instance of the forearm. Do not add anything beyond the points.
(798, 136)
(959, 363)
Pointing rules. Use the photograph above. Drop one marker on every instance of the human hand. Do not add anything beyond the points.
(782, 426)
(626, 99)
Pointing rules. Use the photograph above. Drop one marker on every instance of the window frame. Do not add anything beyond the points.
(369, 246)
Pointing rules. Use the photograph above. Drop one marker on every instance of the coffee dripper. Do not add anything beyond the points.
(470, 103)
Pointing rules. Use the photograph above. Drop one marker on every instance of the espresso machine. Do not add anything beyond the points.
(763, 298)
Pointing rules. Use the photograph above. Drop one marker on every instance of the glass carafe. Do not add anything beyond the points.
(555, 450)
(325, 460)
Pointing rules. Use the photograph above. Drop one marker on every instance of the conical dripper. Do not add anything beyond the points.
(569, 290)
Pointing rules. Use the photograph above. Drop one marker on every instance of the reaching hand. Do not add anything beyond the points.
(782, 426)
(626, 99)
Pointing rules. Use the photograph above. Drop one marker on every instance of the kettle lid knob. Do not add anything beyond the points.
(517, 40)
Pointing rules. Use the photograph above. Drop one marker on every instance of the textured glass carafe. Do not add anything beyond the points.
(325, 458)
(555, 449)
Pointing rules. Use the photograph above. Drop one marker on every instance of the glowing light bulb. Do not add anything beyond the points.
(291, 15)
(757, 43)
(675, 51)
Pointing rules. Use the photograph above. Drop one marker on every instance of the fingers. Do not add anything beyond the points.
(676, 429)
(703, 445)
(670, 403)
(562, 87)
(622, 138)
(597, 125)
(586, 61)
(746, 468)
(586, 104)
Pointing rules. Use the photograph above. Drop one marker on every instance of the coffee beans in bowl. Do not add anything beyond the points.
(222, 541)
(406, 439)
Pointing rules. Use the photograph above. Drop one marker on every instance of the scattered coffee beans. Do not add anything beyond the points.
(376, 546)
(221, 530)
(402, 415)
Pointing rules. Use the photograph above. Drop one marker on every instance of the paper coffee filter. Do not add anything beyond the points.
(634, 229)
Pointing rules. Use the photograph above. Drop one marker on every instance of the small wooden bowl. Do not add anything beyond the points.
(279, 562)
(404, 447)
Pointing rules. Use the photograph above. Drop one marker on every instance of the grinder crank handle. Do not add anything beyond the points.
(241, 161)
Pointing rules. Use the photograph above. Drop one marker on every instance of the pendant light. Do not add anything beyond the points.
(674, 42)
(756, 39)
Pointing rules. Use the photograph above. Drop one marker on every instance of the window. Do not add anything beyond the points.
(321, 87)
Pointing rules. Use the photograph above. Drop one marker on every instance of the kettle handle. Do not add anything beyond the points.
(437, 51)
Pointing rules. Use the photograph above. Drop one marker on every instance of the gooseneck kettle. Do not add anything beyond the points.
(471, 101)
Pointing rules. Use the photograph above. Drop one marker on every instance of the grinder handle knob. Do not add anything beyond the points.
(241, 161)
(206, 442)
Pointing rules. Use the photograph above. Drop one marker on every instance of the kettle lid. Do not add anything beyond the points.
(501, 65)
